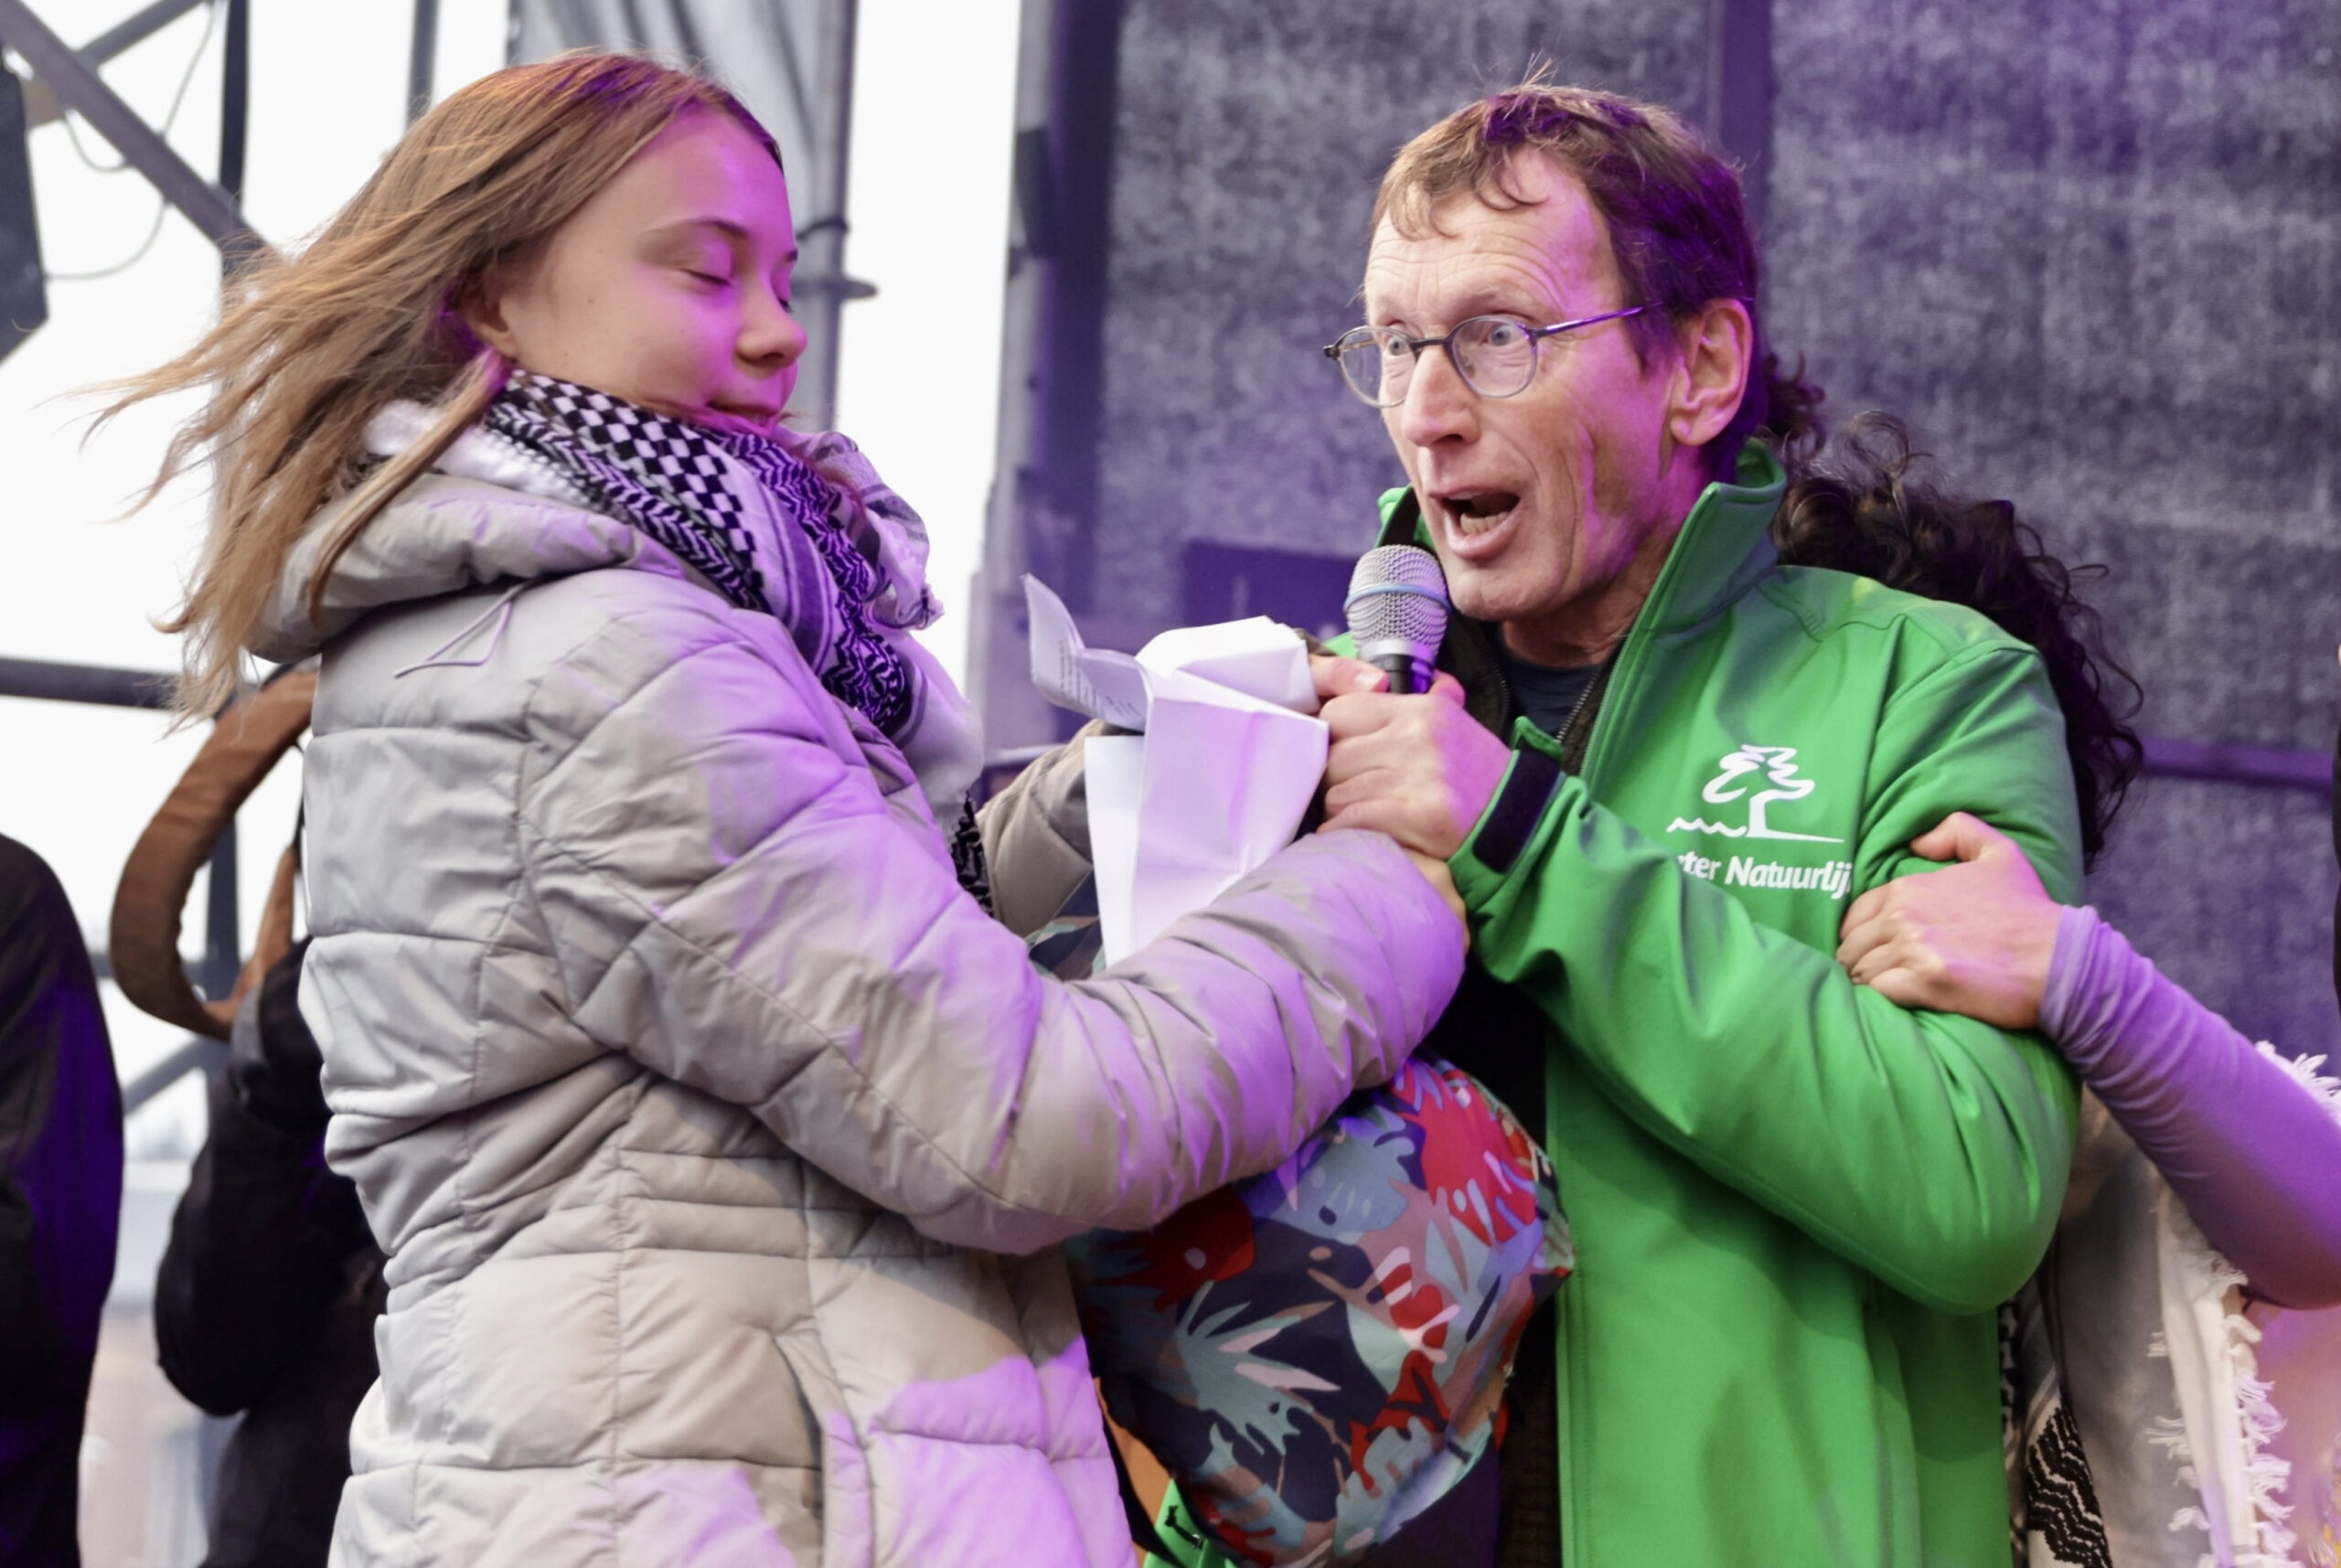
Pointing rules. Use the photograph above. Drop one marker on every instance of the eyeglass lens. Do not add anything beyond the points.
(1495, 355)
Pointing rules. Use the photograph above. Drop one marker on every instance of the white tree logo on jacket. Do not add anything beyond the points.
(1732, 782)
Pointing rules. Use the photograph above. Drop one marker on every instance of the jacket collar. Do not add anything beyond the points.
(1725, 545)
(444, 535)
(489, 511)
(1724, 549)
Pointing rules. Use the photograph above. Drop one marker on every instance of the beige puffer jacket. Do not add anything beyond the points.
(700, 1111)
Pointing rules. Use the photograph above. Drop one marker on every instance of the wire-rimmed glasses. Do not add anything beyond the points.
(1495, 355)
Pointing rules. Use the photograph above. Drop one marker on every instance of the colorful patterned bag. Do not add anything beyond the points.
(1319, 1353)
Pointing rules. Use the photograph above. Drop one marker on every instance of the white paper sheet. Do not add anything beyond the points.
(1225, 788)
(1115, 766)
(1218, 781)
(1256, 657)
(1099, 682)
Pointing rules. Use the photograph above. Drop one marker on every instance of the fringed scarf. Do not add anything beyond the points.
(2150, 1322)
(700, 491)
(800, 529)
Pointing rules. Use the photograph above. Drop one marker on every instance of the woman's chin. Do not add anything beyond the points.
(734, 420)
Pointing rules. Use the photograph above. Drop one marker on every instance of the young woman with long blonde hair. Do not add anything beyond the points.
(699, 1107)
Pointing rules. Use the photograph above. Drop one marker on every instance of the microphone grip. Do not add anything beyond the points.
(1410, 676)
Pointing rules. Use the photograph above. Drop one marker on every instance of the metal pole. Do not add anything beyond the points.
(136, 29)
(222, 939)
(235, 98)
(97, 684)
(40, 105)
(196, 1054)
(822, 283)
(840, 95)
(422, 58)
(1739, 92)
(77, 87)
(235, 121)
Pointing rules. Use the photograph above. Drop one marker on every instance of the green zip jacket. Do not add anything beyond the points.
(1796, 1206)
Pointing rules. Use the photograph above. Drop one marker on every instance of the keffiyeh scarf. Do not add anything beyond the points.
(2054, 1517)
(2220, 1430)
(797, 527)
(702, 493)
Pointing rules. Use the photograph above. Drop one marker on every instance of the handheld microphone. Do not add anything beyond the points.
(1398, 612)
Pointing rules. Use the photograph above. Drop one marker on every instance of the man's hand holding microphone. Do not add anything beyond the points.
(1406, 760)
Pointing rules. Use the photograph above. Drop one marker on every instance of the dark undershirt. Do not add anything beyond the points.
(1487, 1026)
(1548, 693)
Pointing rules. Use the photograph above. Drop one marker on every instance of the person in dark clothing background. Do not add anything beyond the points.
(268, 1291)
(60, 1205)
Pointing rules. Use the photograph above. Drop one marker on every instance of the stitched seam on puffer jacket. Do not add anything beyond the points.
(621, 1228)
(635, 1462)
(528, 778)
(491, 944)
(811, 1269)
(1013, 1444)
(469, 1216)
(652, 925)
(726, 640)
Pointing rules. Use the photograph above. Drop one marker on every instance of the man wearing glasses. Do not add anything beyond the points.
(1660, 766)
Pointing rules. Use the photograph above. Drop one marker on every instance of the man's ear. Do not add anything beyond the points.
(480, 304)
(1717, 348)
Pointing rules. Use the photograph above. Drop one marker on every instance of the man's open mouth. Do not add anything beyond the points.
(1478, 512)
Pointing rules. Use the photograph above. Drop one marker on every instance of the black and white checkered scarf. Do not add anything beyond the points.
(2054, 1517)
(821, 568)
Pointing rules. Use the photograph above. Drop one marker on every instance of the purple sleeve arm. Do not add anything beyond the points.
(2253, 1153)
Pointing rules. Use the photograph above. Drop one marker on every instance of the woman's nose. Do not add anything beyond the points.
(770, 337)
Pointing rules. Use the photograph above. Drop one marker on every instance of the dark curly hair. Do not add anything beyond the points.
(1867, 506)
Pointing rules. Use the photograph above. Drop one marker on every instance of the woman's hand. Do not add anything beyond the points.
(1338, 677)
(1974, 938)
(1442, 883)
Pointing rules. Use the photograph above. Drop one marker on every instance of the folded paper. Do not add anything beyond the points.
(1225, 757)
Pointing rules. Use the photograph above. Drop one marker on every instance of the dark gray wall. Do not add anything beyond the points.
(1249, 141)
(2092, 251)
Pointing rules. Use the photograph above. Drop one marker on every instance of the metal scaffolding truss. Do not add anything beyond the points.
(793, 66)
(66, 78)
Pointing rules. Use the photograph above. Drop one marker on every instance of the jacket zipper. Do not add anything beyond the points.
(1590, 696)
(1577, 708)
(1587, 711)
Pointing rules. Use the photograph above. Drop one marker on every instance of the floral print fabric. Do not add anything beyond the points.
(1317, 1354)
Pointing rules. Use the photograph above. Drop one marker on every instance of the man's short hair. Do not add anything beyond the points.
(1676, 219)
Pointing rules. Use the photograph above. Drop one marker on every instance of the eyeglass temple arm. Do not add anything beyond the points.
(1586, 321)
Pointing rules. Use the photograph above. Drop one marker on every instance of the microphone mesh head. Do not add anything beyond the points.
(1398, 595)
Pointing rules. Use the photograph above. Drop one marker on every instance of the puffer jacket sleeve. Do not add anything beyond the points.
(735, 904)
(1036, 836)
